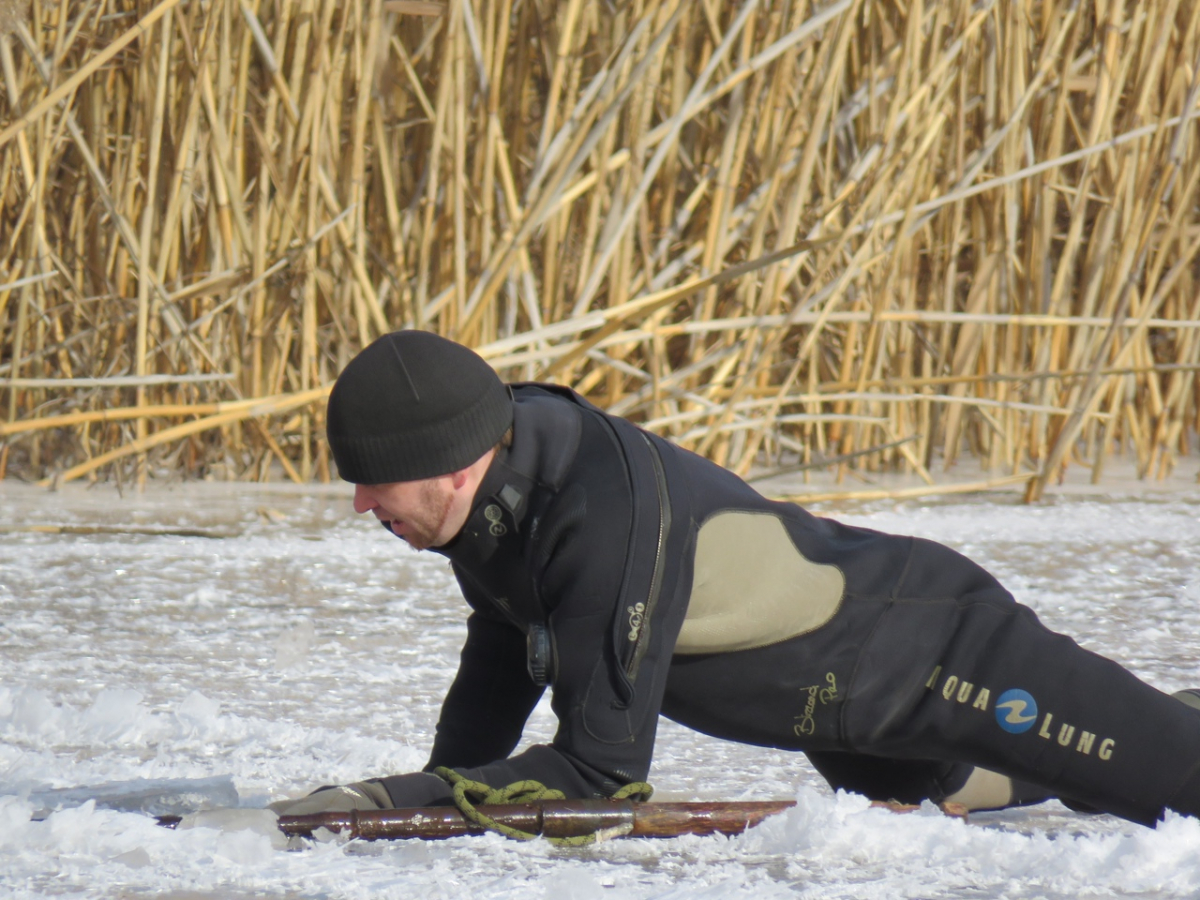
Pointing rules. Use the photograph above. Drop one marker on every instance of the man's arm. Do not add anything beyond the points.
(490, 700)
(482, 716)
(613, 579)
(615, 585)
(607, 723)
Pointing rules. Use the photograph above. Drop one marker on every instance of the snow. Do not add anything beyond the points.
(206, 645)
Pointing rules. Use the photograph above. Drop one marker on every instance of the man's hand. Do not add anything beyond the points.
(341, 798)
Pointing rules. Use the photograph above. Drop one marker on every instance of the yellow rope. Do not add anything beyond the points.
(469, 794)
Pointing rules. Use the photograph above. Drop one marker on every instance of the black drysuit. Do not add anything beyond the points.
(636, 578)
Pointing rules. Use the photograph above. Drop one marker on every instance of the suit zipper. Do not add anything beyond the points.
(640, 633)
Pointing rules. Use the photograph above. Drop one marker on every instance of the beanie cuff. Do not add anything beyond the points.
(429, 449)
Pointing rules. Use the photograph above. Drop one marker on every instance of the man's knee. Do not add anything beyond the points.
(985, 789)
(915, 781)
(884, 779)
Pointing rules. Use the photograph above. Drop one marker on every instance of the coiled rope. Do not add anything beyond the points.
(469, 794)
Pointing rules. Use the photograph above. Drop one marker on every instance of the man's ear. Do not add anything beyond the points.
(458, 479)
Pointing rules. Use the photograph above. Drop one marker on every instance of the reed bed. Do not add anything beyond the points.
(948, 230)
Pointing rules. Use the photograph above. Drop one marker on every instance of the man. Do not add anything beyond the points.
(637, 579)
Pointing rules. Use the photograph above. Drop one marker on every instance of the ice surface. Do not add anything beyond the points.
(252, 643)
(152, 796)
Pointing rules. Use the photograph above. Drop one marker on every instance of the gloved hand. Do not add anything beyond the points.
(413, 789)
(340, 798)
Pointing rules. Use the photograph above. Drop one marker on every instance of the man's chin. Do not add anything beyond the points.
(416, 542)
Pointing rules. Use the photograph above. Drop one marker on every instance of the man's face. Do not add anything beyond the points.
(414, 510)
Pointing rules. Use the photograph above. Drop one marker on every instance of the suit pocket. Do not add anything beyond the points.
(606, 717)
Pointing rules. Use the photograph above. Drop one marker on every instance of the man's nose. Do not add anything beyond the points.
(363, 500)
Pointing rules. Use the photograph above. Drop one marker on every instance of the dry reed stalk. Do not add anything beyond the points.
(415, 7)
(116, 415)
(258, 188)
(266, 406)
(936, 490)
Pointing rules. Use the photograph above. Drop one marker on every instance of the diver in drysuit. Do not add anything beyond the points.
(636, 579)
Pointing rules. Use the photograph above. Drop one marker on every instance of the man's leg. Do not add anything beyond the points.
(917, 780)
(1010, 696)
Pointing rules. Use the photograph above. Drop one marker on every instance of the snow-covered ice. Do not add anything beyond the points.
(220, 644)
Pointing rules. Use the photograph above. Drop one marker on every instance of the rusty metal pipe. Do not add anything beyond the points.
(549, 818)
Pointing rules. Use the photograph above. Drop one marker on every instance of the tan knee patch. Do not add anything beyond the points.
(985, 789)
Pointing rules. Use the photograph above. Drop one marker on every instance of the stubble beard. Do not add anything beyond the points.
(426, 526)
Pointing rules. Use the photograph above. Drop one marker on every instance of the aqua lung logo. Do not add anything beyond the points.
(492, 514)
(1016, 711)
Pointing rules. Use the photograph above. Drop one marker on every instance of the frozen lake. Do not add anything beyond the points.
(265, 641)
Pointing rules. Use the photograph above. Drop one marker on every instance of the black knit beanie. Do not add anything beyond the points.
(414, 405)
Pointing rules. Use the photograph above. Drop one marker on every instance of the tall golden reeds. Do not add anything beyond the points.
(208, 206)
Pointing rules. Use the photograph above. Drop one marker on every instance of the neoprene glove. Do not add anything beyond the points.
(337, 798)
(413, 789)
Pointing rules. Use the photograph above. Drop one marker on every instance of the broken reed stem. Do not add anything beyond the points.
(561, 187)
(260, 408)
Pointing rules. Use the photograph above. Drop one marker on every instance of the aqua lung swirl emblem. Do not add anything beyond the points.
(492, 514)
(1016, 711)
